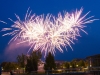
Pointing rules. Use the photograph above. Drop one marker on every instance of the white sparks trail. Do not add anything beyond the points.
(49, 33)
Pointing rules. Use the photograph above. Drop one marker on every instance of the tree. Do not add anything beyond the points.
(86, 64)
(66, 65)
(21, 60)
(81, 63)
(49, 62)
(73, 63)
(7, 66)
(32, 61)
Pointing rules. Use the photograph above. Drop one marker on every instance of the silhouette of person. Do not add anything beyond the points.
(11, 73)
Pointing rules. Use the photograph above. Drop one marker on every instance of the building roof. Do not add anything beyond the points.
(59, 61)
(93, 56)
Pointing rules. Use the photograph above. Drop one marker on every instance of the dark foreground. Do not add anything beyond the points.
(75, 73)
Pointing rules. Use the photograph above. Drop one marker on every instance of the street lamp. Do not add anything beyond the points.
(90, 65)
(76, 65)
(17, 68)
(70, 66)
(1, 68)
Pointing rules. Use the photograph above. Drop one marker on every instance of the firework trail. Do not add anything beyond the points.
(49, 33)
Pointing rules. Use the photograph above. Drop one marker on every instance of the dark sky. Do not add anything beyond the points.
(85, 46)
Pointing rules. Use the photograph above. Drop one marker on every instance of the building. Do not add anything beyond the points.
(94, 61)
(41, 66)
(59, 64)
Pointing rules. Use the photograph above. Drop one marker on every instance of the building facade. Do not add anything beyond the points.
(94, 61)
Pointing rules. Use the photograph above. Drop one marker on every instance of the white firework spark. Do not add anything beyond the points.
(50, 33)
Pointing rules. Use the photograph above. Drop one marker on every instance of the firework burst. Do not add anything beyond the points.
(49, 33)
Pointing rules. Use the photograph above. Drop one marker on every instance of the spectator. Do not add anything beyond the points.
(11, 73)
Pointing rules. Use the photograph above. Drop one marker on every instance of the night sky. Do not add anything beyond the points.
(86, 45)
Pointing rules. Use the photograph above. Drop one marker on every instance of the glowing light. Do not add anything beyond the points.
(2, 68)
(59, 70)
(77, 65)
(49, 33)
(17, 68)
(90, 65)
(70, 66)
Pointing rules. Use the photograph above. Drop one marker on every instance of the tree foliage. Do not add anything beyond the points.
(49, 62)
(21, 60)
(32, 61)
(72, 64)
(7, 66)
(66, 65)
(81, 63)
